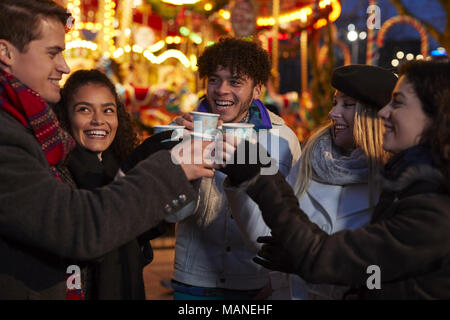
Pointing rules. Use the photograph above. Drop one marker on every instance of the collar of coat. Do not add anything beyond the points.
(413, 174)
(276, 120)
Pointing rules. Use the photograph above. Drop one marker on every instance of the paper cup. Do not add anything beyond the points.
(205, 123)
(202, 136)
(240, 130)
(175, 137)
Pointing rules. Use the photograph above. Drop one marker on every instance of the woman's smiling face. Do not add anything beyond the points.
(93, 117)
(343, 115)
(404, 119)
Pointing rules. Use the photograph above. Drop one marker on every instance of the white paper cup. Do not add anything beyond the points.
(240, 130)
(203, 136)
(178, 131)
(205, 123)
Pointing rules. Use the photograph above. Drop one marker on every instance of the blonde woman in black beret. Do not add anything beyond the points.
(403, 253)
(335, 179)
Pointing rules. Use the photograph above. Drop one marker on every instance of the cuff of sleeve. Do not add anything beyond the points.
(228, 186)
(176, 190)
(181, 214)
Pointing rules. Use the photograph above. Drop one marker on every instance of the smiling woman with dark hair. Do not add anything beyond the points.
(92, 112)
(94, 84)
(335, 180)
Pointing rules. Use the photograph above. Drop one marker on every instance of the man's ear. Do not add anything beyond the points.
(6, 53)
(257, 91)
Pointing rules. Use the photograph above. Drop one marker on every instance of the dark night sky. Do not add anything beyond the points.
(354, 11)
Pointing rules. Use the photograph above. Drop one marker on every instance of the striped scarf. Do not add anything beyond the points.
(33, 112)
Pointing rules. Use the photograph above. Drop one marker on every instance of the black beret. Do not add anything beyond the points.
(369, 84)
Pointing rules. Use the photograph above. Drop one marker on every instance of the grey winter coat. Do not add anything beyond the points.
(45, 224)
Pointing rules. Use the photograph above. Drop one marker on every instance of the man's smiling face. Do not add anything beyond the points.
(42, 64)
(230, 95)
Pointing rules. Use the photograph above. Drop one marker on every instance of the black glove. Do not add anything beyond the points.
(275, 257)
(147, 148)
(242, 169)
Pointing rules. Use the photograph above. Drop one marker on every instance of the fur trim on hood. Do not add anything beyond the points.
(411, 175)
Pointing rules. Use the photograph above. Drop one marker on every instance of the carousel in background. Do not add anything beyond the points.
(149, 48)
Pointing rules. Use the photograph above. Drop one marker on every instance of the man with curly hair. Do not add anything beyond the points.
(215, 245)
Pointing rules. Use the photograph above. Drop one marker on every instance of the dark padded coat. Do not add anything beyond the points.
(409, 238)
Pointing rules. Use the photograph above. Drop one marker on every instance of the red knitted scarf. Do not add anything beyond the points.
(34, 113)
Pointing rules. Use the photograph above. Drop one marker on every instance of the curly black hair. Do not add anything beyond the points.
(126, 138)
(242, 57)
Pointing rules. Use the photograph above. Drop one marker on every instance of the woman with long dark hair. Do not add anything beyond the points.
(91, 111)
